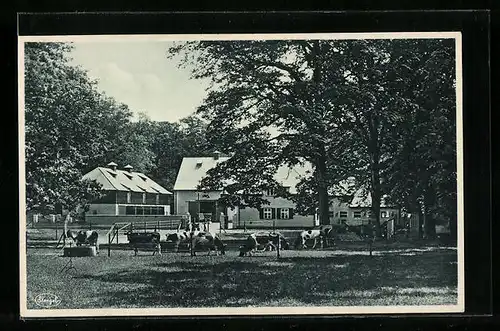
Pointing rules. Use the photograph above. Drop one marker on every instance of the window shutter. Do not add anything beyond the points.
(273, 211)
(278, 213)
(290, 213)
(261, 213)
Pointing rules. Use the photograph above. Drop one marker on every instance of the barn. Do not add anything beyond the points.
(127, 192)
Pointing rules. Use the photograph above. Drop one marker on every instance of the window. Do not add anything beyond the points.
(269, 192)
(383, 214)
(129, 197)
(356, 214)
(393, 213)
(157, 199)
(130, 210)
(343, 214)
(285, 214)
(268, 213)
(160, 211)
(143, 197)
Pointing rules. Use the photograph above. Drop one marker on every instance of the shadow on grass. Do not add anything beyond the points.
(257, 281)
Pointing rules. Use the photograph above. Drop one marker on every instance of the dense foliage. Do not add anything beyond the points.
(345, 106)
(379, 111)
(71, 128)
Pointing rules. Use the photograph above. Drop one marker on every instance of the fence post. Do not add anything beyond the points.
(109, 243)
(279, 247)
(191, 243)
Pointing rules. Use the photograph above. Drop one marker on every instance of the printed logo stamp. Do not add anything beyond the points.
(47, 300)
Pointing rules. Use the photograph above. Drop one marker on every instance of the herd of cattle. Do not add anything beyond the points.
(197, 240)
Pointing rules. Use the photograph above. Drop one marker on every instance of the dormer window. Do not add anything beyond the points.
(269, 192)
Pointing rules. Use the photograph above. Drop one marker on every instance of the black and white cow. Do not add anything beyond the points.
(250, 245)
(209, 241)
(146, 240)
(83, 237)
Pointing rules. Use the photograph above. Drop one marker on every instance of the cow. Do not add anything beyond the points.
(321, 234)
(250, 245)
(208, 240)
(262, 241)
(83, 237)
(305, 235)
(269, 241)
(145, 240)
(182, 237)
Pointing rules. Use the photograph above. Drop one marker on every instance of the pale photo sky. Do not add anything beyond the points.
(139, 75)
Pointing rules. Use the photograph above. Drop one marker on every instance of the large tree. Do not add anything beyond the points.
(269, 105)
(422, 172)
(339, 105)
(69, 128)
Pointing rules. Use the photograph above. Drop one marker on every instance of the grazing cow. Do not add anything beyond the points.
(83, 237)
(145, 240)
(262, 241)
(305, 235)
(274, 237)
(209, 241)
(179, 238)
(269, 241)
(250, 245)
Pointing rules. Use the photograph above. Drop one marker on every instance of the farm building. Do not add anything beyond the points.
(355, 209)
(127, 193)
(280, 212)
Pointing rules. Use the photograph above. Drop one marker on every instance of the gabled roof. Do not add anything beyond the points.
(194, 169)
(121, 180)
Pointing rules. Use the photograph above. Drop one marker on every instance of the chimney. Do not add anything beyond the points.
(128, 168)
(112, 166)
(216, 155)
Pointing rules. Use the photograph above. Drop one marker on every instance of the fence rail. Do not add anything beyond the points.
(118, 228)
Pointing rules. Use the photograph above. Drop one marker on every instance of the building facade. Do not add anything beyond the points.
(128, 193)
(280, 212)
(352, 209)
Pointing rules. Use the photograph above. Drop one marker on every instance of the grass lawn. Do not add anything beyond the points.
(298, 278)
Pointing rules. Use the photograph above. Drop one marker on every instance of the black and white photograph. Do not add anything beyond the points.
(241, 174)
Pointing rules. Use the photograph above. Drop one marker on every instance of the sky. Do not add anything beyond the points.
(139, 75)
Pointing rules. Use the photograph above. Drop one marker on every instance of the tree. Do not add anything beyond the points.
(334, 104)
(258, 87)
(69, 128)
(422, 171)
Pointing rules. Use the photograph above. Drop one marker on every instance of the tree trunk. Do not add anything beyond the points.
(430, 224)
(375, 192)
(322, 192)
(374, 153)
(453, 228)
